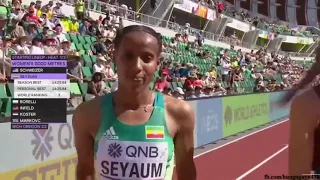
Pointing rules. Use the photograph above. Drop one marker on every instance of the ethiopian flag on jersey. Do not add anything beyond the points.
(154, 132)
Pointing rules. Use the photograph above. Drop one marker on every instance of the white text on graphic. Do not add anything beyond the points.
(304, 177)
(132, 170)
(148, 152)
(247, 112)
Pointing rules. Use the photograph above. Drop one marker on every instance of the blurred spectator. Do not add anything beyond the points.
(100, 47)
(178, 93)
(3, 20)
(99, 66)
(57, 9)
(226, 68)
(44, 34)
(17, 4)
(31, 16)
(74, 67)
(16, 30)
(220, 7)
(208, 91)
(162, 82)
(96, 86)
(36, 47)
(79, 8)
(50, 46)
(200, 38)
(198, 91)
(84, 28)
(110, 75)
(190, 94)
(73, 25)
(31, 30)
(59, 35)
(64, 47)
(21, 45)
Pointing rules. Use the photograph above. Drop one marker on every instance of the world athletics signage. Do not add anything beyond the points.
(244, 112)
(217, 118)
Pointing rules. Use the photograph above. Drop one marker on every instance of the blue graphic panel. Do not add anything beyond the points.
(209, 121)
(277, 112)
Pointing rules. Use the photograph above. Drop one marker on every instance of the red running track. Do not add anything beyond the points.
(249, 156)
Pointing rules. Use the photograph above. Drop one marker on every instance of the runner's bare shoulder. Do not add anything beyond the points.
(180, 111)
(88, 115)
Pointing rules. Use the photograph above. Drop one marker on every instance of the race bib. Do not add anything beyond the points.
(131, 160)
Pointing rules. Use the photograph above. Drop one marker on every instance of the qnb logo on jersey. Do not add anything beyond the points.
(114, 150)
(110, 134)
(134, 160)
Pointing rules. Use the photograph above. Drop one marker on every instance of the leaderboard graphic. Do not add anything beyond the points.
(41, 90)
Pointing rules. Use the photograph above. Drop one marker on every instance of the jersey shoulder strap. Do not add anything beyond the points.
(159, 100)
(106, 108)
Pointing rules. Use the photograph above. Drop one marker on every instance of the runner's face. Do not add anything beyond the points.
(137, 59)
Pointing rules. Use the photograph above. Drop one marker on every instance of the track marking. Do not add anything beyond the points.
(262, 163)
(235, 140)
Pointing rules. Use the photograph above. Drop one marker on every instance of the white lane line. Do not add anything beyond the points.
(262, 163)
(235, 140)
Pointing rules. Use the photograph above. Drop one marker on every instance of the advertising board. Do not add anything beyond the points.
(277, 112)
(196, 9)
(62, 168)
(38, 154)
(244, 112)
(208, 121)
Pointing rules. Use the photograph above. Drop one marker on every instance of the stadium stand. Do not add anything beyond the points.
(192, 66)
(263, 23)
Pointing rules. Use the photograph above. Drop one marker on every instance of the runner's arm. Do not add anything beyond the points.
(184, 142)
(84, 143)
(300, 147)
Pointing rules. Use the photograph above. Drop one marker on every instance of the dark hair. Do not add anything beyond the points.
(311, 74)
(35, 40)
(97, 74)
(133, 28)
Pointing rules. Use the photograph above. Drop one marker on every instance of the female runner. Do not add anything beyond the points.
(135, 133)
(304, 141)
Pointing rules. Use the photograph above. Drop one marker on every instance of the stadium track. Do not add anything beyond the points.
(248, 156)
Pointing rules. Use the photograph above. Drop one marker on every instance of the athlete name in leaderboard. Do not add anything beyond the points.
(41, 90)
(40, 76)
(37, 113)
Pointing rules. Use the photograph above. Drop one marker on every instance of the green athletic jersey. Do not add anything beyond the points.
(134, 152)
